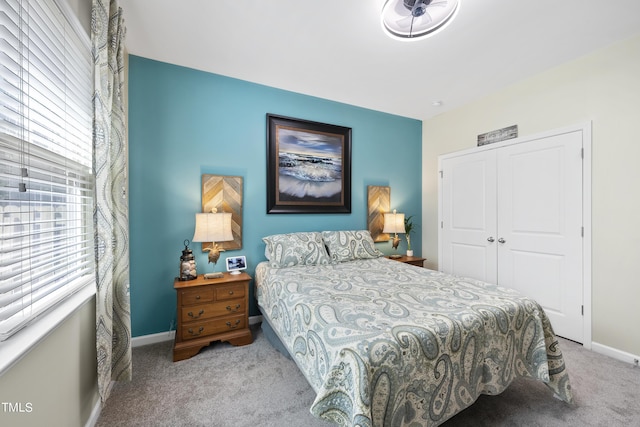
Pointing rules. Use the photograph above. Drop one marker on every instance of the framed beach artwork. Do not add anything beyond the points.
(308, 166)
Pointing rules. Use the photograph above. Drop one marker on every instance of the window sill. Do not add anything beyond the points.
(17, 346)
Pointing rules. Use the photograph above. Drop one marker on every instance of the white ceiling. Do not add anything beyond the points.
(336, 49)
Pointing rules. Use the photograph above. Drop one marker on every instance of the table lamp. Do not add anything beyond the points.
(394, 223)
(213, 227)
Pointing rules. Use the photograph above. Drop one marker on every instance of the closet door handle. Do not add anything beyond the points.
(491, 240)
(501, 240)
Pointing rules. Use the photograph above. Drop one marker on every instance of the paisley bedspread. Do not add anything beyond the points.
(388, 344)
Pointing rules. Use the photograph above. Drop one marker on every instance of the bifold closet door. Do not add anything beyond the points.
(469, 216)
(539, 238)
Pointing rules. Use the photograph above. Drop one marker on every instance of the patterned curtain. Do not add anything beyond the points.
(111, 212)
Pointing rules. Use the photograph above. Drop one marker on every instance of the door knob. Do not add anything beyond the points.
(501, 240)
(491, 240)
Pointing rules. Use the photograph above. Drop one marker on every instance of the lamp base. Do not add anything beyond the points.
(395, 256)
(213, 275)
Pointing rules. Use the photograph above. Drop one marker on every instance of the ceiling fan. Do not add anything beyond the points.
(414, 19)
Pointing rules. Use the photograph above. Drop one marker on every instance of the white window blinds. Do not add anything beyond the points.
(46, 182)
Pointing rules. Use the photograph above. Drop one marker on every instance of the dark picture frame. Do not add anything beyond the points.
(308, 166)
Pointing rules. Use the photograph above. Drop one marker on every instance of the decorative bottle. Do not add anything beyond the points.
(187, 263)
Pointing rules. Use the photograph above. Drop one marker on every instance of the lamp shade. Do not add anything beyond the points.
(393, 222)
(213, 227)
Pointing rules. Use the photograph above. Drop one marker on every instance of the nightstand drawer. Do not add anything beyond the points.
(212, 327)
(226, 292)
(197, 296)
(216, 309)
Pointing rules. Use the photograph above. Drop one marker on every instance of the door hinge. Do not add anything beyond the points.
(581, 231)
(441, 174)
(582, 153)
(582, 310)
(441, 224)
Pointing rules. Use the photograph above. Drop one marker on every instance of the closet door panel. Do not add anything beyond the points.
(469, 216)
(539, 223)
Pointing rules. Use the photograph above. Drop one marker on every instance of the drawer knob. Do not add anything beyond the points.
(197, 296)
(235, 325)
(195, 334)
(190, 314)
(233, 309)
(230, 292)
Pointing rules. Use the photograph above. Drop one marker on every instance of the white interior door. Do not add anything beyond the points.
(540, 226)
(469, 216)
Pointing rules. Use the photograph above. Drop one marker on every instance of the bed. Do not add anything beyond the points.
(384, 343)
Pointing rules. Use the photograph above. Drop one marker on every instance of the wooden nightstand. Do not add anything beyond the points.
(413, 260)
(211, 310)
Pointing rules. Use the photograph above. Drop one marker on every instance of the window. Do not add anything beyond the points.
(46, 180)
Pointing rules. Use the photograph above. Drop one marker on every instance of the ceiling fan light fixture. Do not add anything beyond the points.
(417, 19)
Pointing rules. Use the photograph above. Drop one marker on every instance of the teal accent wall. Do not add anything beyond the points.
(184, 123)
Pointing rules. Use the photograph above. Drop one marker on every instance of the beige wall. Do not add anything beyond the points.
(57, 378)
(603, 88)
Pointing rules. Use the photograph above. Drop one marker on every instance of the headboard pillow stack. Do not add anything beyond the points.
(310, 248)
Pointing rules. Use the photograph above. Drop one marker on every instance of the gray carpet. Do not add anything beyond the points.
(250, 386)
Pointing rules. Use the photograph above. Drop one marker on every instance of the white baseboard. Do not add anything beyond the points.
(615, 353)
(169, 336)
(152, 338)
(95, 414)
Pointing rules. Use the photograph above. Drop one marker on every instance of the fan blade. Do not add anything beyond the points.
(405, 23)
(423, 20)
(442, 3)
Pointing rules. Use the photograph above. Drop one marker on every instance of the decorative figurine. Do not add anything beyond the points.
(214, 253)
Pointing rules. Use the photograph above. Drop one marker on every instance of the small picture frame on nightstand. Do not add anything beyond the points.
(235, 264)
